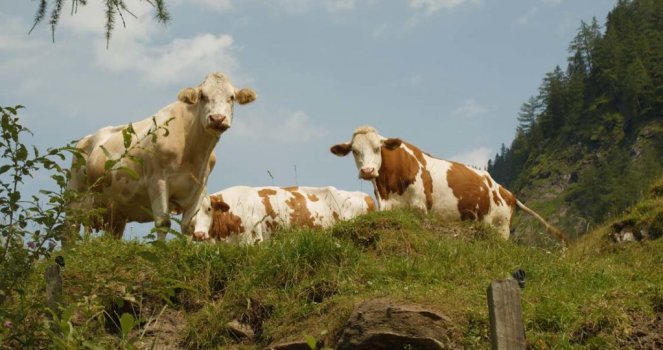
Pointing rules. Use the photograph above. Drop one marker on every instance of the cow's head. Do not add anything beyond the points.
(215, 98)
(202, 221)
(366, 146)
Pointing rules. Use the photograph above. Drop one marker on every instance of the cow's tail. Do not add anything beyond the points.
(552, 229)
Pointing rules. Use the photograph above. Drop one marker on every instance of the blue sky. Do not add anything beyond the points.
(446, 75)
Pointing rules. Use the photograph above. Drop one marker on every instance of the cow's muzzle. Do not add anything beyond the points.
(218, 122)
(368, 173)
(200, 236)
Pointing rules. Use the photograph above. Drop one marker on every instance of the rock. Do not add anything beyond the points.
(294, 345)
(387, 324)
(240, 330)
(629, 231)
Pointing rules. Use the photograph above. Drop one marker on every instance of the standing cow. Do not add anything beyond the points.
(163, 164)
(404, 176)
(248, 215)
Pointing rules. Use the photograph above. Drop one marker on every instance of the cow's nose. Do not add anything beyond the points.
(218, 121)
(200, 236)
(367, 171)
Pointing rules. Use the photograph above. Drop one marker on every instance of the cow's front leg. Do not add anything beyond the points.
(158, 192)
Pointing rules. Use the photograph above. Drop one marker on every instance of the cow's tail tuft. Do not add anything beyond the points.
(552, 229)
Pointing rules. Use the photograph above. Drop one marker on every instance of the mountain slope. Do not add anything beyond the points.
(591, 141)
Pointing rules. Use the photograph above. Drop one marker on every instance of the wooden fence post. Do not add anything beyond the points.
(53, 277)
(506, 322)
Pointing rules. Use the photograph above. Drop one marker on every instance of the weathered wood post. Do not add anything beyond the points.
(506, 322)
(53, 277)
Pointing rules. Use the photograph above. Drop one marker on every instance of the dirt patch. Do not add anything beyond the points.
(162, 331)
(647, 332)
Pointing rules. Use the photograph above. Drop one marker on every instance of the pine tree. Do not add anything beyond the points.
(528, 114)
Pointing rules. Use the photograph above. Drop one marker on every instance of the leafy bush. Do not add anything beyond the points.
(29, 226)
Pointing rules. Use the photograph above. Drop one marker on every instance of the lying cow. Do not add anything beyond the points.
(247, 215)
(169, 158)
(404, 176)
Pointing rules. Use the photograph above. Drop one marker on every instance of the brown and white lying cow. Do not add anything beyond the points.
(404, 176)
(248, 215)
(158, 175)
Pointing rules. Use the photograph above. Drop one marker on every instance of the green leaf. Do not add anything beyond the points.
(134, 175)
(109, 164)
(21, 153)
(310, 341)
(126, 135)
(127, 323)
(4, 168)
(159, 244)
(106, 153)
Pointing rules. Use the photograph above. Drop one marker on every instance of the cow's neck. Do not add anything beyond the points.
(199, 143)
(399, 170)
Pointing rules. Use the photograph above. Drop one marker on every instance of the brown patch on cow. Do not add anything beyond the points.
(312, 197)
(425, 175)
(470, 190)
(271, 224)
(399, 170)
(264, 194)
(496, 198)
(509, 198)
(300, 215)
(370, 203)
(335, 216)
(291, 188)
(225, 224)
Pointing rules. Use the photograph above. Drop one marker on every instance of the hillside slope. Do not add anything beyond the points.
(304, 285)
(591, 141)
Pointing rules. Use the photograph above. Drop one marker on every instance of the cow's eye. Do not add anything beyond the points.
(209, 209)
(231, 98)
(376, 149)
(203, 97)
(355, 152)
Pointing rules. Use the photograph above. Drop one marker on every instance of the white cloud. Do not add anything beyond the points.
(132, 48)
(428, 7)
(176, 61)
(340, 5)
(469, 109)
(286, 127)
(477, 157)
(215, 5)
(424, 8)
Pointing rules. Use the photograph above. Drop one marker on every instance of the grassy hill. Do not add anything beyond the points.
(304, 285)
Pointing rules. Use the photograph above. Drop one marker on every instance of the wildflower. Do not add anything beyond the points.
(31, 245)
(7, 324)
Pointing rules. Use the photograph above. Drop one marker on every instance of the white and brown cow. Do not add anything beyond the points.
(404, 176)
(166, 166)
(248, 215)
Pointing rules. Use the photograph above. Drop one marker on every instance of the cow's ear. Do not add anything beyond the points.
(219, 204)
(244, 96)
(392, 143)
(189, 96)
(342, 149)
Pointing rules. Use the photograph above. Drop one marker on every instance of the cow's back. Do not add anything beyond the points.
(262, 211)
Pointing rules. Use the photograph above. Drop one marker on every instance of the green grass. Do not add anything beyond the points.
(594, 295)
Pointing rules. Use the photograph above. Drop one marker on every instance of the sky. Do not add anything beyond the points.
(448, 76)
